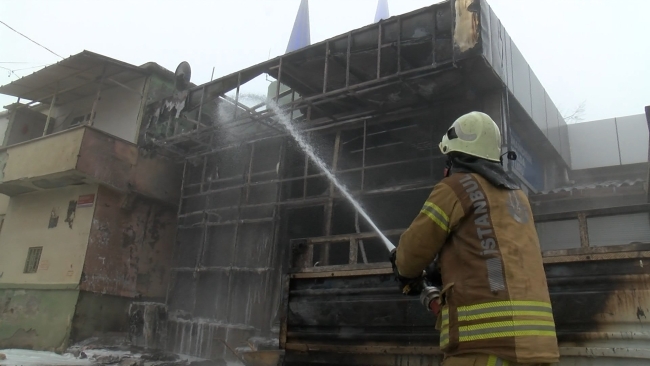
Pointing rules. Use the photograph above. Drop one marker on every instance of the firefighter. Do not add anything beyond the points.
(495, 305)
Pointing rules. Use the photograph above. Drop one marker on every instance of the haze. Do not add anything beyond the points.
(582, 51)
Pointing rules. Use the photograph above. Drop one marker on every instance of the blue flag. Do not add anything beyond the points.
(382, 10)
(300, 35)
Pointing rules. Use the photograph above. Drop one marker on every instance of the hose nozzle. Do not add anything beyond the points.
(429, 298)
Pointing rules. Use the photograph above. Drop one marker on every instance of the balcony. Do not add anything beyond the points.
(85, 155)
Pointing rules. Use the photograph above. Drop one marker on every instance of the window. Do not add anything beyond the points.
(33, 257)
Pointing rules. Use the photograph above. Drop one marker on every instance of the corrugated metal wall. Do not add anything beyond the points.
(557, 235)
(619, 230)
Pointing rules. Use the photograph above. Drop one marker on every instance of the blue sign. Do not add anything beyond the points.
(527, 165)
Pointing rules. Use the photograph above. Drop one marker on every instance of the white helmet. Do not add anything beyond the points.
(474, 134)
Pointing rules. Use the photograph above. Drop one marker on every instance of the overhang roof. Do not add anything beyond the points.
(73, 78)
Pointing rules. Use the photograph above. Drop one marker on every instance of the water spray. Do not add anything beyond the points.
(309, 150)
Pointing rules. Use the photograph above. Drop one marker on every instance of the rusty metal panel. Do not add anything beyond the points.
(330, 316)
(130, 248)
(597, 304)
(121, 165)
(601, 303)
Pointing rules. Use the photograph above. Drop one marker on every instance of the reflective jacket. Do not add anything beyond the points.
(495, 295)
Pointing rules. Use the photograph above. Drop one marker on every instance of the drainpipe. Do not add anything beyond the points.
(99, 93)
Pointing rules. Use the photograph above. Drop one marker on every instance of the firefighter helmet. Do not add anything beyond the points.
(474, 134)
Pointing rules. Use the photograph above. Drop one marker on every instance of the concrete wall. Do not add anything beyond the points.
(36, 318)
(609, 142)
(130, 248)
(117, 111)
(51, 219)
(4, 204)
(53, 155)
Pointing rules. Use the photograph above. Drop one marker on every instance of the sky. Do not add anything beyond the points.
(591, 51)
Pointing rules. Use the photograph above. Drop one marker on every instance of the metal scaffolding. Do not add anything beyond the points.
(372, 101)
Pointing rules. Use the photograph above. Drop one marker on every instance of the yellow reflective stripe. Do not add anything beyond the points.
(510, 328)
(436, 220)
(513, 308)
(444, 338)
(445, 318)
(509, 313)
(437, 209)
(495, 304)
(514, 333)
(506, 323)
(436, 215)
(444, 331)
(496, 361)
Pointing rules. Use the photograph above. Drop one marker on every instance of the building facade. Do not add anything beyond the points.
(91, 217)
(270, 251)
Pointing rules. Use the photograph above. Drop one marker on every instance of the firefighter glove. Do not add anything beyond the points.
(408, 286)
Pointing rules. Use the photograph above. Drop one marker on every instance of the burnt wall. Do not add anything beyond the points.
(226, 272)
(243, 204)
(597, 305)
(130, 247)
(99, 315)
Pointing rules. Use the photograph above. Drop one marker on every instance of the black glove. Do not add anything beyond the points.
(433, 276)
(408, 286)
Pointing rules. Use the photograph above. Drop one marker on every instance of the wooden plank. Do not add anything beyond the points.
(597, 257)
(345, 273)
(598, 250)
(343, 267)
(584, 231)
(378, 349)
(347, 237)
(354, 251)
(284, 310)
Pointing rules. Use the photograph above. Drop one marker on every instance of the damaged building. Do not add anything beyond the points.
(91, 218)
(268, 250)
(216, 236)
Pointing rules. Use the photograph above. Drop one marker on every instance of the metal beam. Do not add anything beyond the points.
(99, 93)
(49, 116)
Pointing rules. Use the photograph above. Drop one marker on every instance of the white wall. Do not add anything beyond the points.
(609, 142)
(116, 113)
(27, 224)
(4, 123)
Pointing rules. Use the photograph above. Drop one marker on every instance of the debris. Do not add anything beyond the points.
(131, 362)
(208, 363)
(159, 356)
(107, 359)
(24, 357)
(83, 355)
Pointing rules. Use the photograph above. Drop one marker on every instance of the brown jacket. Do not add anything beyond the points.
(495, 293)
